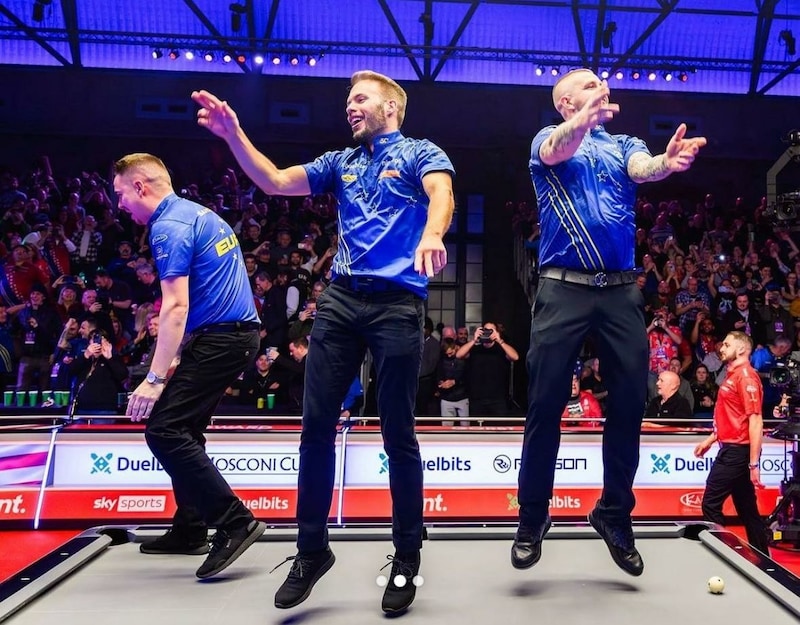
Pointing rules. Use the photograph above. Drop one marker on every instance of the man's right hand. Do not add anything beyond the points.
(215, 114)
(597, 110)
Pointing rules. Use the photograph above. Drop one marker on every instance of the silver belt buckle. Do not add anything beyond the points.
(600, 279)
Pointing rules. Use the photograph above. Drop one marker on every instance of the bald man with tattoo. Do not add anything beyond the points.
(585, 181)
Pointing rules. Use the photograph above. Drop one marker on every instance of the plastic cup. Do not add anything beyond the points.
(21, 395)
(62, 398)
(47, 396)
(270, 401)
(8, 398)
(33, 398)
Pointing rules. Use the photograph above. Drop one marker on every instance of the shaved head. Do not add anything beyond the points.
(668, 384)
(567, 83)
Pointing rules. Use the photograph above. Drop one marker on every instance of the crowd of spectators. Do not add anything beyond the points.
(705, 270)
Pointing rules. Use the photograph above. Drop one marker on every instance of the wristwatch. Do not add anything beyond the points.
(153, 378)
(754, 466)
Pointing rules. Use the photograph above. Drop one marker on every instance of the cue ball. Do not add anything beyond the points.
(716, 585)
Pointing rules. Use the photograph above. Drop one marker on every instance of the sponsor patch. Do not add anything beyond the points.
(390, 173)
(349, 177)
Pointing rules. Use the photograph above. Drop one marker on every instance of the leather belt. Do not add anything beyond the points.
(599, 280)
(366, 284)
(228, 326)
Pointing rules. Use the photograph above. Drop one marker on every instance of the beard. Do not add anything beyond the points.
(372, 124)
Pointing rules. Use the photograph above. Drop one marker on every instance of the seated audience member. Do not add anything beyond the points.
(452, 382)
(141, 350)
(100, 376)
(581, 407)
(592, 381)
(292, 370)
(258, 381)
(668, 404)
(705, 392)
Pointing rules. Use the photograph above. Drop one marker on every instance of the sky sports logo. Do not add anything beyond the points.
(131, 503)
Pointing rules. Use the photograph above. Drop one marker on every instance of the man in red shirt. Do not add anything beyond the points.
(738, 429)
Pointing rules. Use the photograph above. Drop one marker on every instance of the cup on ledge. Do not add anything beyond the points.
(270, 401)
(47, 398)
(33, 398)
(21, 395)
(8, 398)
(62, 398)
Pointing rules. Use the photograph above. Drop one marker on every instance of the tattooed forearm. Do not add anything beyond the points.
(561, 144)
(644, 168)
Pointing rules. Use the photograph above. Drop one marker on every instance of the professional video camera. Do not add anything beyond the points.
(784, 520)
(783, 210)
(785, 376)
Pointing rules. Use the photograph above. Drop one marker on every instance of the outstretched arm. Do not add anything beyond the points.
(679, 156)
(430, 256)
(219, 118)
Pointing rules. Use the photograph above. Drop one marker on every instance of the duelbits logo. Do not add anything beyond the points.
(384, 463)
(660, 463)
(101, 464)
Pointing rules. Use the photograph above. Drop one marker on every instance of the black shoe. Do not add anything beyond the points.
(306, 570)
(398, 598)
(176, 542)
(227, 545)
(527, 547)
(619, 539)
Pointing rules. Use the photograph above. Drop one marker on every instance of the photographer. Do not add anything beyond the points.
(100, 375)
(113, 295)
(689, 302)
(488, 371)
(663, 338)
(777, 320)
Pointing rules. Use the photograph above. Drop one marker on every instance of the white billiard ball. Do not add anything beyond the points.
(716, 585)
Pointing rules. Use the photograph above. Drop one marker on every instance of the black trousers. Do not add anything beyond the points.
(563, 315)
(175, 430)
(730, 475)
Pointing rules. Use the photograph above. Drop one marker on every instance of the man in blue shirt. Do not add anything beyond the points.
(395, 204)
(585, 181)
(208, 313)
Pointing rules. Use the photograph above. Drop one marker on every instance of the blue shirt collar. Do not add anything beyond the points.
(172, 197)
(382, 142)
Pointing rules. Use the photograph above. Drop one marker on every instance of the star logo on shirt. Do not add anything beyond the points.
(222, 231)
(601, 176)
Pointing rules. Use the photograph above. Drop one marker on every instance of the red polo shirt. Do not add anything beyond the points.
(739, 396)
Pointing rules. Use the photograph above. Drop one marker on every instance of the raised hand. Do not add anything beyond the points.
(215, 114)
(597, 109)
(681, 152)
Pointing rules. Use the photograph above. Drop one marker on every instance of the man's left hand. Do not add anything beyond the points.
(141, 403)
(430, 256)
(681, 151)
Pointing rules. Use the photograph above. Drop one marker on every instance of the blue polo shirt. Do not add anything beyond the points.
(382, 205)
(586, 203)
(187, 239)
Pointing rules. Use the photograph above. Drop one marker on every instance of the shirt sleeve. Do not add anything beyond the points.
(172, 246)
(630, 146)
(536, 145)
(430, 158)
(751, 392)
(322, 172)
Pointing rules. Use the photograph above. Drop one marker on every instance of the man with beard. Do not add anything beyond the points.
(395, 204)
(738, 428)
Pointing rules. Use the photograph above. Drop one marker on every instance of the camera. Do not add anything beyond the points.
(98, 339)
(721, 258)
(486, 335)
(785, 375)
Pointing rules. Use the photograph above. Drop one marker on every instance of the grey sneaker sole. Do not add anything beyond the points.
(252, 537)
(200, 550)
(323, 569)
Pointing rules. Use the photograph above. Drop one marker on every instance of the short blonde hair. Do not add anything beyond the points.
(391, 90)
(146, 165)
(743, 339)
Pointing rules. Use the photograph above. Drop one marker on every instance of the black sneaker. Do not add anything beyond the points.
(306, 570)
(398, 598)
(176, 542)
(620, 542)
(527, 548)
(227, 545)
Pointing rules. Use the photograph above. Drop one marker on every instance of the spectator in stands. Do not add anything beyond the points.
(291, 369)
(8, 361)
(684, 389)
(582, 409)
(593, 381)
(123, 265)
(63, 355)
(703, 337)
(20, 275)
(744, 318)
(488, 371)
(425, 405)
(114, 295)
(452, 382)
(777, 320)
(274, 325)
(100, 375)
(68, 304)
(141, 350)
(669, 403)
(704, 391)
(148, 287)
(305, 321)
(689, 302)
(462, 336)
(36, 328)
(87, 243)
(259, 381)
(663, 337)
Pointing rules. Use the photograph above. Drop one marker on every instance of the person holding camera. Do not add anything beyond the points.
(100, 376)
(689, 302)
(738, 428)
(113, 295)
(488, 371)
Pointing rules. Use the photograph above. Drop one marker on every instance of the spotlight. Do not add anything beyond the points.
(619, 75)
(157, 53)
(174, 54)
(555, 71)
(608, 34)
(539, 70)
(787, 39)
(189, 55)
(241, 58)
(258, 59)
(276, 60)
(237, 10)
(651, 76)
(683, 76)
(604, 74)
(636, 74)
(294, 60)
(311, 61)
(226, 58)
(668, 76)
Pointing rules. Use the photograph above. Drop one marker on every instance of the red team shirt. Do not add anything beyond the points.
(739, 396)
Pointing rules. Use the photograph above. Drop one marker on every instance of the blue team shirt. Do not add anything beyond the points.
(187, 239)
(586, 203)
(382, 205)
